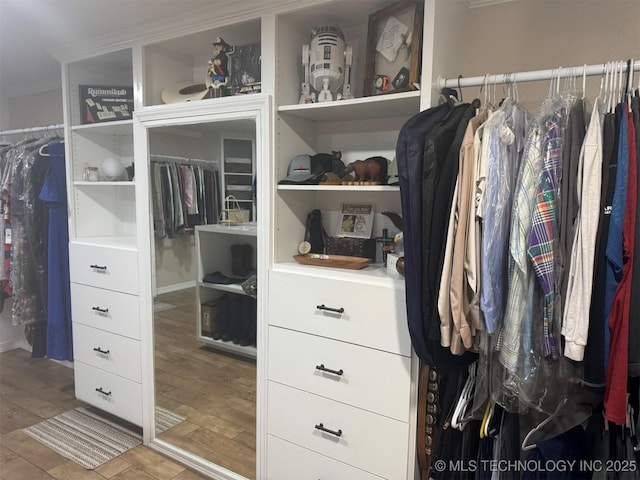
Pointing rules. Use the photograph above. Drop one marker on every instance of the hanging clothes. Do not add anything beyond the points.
(575, 325)
(54, 193)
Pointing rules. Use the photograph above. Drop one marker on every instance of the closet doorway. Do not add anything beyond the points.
(204, 266)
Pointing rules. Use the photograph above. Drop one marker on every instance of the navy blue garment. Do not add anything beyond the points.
(554, 454)
(409, 155)
(54, 193)
(613, 273)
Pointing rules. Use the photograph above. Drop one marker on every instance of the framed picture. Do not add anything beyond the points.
(394, 48)
(244, 76)
(355, 220)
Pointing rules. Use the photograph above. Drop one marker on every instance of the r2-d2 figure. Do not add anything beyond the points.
(327, 66)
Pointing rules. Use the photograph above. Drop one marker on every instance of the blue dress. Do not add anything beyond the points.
(54, 194)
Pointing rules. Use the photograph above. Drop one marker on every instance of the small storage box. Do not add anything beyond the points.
(209, 311)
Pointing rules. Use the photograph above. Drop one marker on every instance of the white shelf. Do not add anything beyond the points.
(104, 183)
(118, 127)
(373, 274)
(232, 288)
(249, 351)
(342, 188)
(404, 104)
(248, 229)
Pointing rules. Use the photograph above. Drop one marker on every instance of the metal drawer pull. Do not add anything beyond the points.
(325, 369)
(329, 309)
(100, 390)
(101, 310)
(99, 350)
(98, 267)
(332, 432)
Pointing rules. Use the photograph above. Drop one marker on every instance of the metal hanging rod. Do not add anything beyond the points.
(32, 129)
(169, 158)
(530, 76)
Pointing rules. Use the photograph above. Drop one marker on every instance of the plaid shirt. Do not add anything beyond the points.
(545, 227)
(519, 303)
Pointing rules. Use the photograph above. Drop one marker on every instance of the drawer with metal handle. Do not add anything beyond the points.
(104, 267)
(111, 393)
(359, 376)
(113, 353)
(373, 443)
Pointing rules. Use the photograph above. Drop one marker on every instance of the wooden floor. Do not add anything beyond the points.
(214, 391)
(32, 390)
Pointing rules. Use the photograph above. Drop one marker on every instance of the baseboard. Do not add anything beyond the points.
(175, 287)
(13, 344)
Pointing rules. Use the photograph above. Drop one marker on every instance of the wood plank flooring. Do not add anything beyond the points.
(213, 390)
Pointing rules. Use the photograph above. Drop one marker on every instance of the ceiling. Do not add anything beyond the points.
(31, 29)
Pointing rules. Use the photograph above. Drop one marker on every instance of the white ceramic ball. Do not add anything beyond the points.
(112, 168)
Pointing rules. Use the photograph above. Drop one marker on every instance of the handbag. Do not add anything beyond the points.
(232, 214)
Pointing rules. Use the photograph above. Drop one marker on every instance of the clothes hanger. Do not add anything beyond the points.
(530, 446)
(465, 397)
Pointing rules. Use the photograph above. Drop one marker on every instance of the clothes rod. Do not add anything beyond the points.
(531, 76)
(169, 158)
(32, 129)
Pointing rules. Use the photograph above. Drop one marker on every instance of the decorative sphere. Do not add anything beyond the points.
(112, 168)
(400, 265)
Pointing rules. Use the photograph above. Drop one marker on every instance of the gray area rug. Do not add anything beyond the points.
(91, 439)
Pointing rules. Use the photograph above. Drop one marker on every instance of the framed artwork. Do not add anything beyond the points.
(355, 220)
(394, 48)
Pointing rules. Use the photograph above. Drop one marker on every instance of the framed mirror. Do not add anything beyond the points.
(204, 306)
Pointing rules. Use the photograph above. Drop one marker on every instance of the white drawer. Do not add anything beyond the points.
(368, 441)
(107, 310)
(104, 267)
(113, 353)
(371, 315)
(286, 461)
(363, 377)
(121, 397)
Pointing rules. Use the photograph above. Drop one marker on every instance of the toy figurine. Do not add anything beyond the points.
(373, 169)
(218, 71)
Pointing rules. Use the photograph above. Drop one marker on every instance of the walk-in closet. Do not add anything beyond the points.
(303, 239)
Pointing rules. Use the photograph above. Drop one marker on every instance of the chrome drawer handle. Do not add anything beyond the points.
(98, 267)
(99, 350)
(321, 367)
(100, 390)
(101, 310)
(329, 309)
(322, 428)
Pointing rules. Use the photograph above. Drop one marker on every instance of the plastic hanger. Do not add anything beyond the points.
(530, 446)
(465, 397)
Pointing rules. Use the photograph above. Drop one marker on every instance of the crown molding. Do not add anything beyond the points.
(197, 20)
(483, 3)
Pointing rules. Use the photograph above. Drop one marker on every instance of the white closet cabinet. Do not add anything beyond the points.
(337, 378)
(103, 254)
(213, 254)
(339, 347)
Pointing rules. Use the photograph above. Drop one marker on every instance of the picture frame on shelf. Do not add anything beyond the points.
(355, 220)
(394, 48)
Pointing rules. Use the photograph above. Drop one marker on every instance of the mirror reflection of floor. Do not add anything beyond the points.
(215, 391)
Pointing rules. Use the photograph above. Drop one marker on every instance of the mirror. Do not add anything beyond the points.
(204, 268)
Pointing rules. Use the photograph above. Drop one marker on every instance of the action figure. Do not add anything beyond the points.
(218, 71)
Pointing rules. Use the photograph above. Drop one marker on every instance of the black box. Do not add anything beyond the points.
(352, 247)
(105, 103)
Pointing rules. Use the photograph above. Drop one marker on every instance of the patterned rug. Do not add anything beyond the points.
(90, 439)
